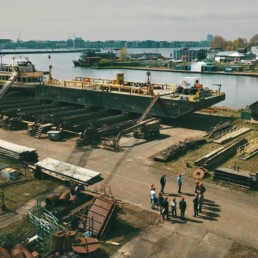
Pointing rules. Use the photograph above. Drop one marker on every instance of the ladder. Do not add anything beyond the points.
(148, 109)
(8, 84)
(39, 132)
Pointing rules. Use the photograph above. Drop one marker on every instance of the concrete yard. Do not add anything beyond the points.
(227, 215)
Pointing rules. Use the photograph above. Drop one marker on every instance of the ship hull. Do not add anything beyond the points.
(164, 107)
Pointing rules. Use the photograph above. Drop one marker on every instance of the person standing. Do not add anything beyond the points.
(196, 187)
(202, 188)
(153, 197)
(201, 201)
(165, 208)
(180, 182)
(182, 207)
(195, 204)
(173, 207)
(160, 201)
(163, 181)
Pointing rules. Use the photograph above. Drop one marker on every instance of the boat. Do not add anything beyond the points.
(92, 58)
(25, 72)
(163, 100)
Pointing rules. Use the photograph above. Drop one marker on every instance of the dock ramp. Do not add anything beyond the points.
(8, 84)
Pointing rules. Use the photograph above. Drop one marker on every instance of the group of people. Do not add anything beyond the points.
(163, 204)
(163, 181)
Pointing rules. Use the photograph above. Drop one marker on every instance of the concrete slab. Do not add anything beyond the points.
(136, 248)
(203, 250)
(192, 231)
(176, 246)
(159, 233)
(218, 241)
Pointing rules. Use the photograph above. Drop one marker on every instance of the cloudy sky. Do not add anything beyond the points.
(127, 19)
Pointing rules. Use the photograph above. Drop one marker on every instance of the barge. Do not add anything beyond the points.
(166, 100)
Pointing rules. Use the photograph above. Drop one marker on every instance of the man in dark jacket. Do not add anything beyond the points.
(163, 181)
(195, 204)
(182, 207)
(165, 208)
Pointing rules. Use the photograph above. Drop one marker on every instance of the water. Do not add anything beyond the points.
(241, 91)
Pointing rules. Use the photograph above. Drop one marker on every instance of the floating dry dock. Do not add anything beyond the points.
(171, 100)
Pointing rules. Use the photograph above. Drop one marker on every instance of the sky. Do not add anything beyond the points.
(169, 20)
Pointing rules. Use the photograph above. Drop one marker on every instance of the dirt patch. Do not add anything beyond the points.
(241, 251)
(129, 222)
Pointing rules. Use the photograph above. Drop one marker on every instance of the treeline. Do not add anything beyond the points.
(220, 42)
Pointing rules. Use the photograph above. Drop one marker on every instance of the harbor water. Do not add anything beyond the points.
(241, 91)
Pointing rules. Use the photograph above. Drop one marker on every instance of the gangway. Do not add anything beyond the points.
(148, 109)
(8, 84)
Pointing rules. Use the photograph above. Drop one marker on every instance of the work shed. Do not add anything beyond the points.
(67, 172)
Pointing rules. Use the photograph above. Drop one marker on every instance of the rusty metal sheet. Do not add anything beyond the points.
(85, 245)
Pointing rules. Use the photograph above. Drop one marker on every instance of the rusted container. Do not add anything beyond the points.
(17, 252)
(35, 254)
(25, 252)
(51, 199)
(58, 241)
(4, 253)
(63, 199)
(69, 239)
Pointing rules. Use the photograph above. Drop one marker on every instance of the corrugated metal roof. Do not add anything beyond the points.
(69, 170)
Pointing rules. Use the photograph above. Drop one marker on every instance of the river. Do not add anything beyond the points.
(241, 91)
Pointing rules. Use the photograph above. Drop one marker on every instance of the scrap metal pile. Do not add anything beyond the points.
(176, 150)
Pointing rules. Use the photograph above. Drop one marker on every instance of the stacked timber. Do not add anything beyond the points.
(233, 176)
(18, 152)
(219, 155)
(178, 149)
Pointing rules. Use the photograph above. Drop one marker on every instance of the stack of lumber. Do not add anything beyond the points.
(178, 149)
(220, 154)
(17, 152)
(232, 176)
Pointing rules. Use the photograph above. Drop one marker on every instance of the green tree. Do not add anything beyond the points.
(219, 42)
(239, 43)
(253, 41)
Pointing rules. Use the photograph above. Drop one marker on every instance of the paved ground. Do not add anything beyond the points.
(227, 216)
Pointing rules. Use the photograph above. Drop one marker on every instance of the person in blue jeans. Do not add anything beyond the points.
(180, 182)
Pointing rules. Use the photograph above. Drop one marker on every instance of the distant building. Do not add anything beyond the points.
(4, 43)
(209, 38)
(189, 55)
(236, 56)
(254, 50)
